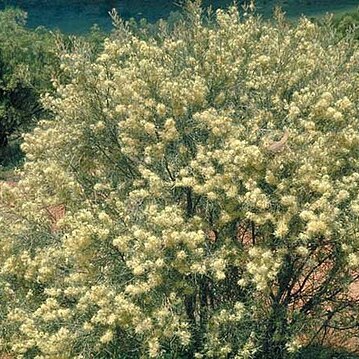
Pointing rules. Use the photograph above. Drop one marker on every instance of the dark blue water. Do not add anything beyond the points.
(77, 16)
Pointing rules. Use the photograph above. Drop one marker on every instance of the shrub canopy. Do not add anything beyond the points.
(210, 177)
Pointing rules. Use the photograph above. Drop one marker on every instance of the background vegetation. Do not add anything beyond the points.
(348, 22)
(27, 62)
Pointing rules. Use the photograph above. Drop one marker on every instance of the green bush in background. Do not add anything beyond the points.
(28, 61)
(348, 22)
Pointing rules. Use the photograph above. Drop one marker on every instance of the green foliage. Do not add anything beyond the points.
(348, 22)
(27, 62)
(28, 55)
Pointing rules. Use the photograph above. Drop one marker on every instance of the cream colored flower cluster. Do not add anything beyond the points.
(208, 168)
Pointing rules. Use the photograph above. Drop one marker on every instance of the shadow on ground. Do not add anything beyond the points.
(319, 352)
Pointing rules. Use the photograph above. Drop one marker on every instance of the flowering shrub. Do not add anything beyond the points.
(210, 177)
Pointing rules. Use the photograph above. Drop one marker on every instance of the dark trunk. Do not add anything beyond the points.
(3, 140)
(275, 335)
(276, 329)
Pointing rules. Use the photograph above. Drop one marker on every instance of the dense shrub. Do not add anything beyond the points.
(210, 177)
(348, 22)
